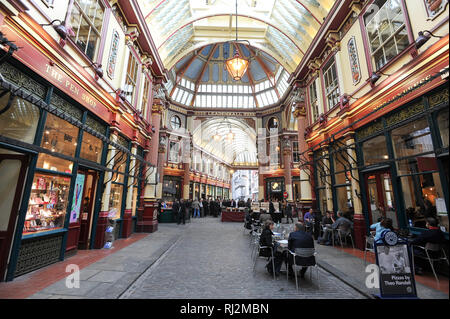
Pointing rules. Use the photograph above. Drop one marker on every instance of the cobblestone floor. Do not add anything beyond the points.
(202, 259)
(212, 260)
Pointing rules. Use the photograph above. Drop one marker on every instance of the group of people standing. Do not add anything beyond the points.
(186, 208)
(280, 209)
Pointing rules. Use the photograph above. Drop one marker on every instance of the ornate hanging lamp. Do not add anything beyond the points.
(237, 65)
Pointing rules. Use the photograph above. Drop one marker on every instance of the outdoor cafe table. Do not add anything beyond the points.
(233, 215)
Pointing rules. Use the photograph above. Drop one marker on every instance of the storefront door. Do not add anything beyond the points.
(380, 196)
(87, 208)
(81, 209)
(13, 168)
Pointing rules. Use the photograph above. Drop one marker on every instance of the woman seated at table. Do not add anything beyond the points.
(266, 240)
(380, 228)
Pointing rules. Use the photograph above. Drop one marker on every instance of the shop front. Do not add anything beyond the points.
(171, 188)
(274, 188)
(403, 158)
(53, 151)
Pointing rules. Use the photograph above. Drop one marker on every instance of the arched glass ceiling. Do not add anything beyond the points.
(282, 28)
(240, 151)
(201, 80)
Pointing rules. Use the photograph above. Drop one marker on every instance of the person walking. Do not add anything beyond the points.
(289, 209)
(196, 208)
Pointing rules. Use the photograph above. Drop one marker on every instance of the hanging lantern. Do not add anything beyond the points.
(236, 66)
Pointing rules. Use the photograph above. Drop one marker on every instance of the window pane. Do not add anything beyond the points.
(20, 120)
(59, 136)
(48, 203)
(421, 194)
(91, 148)
(53, 163)
(443, 126)
(412, 138)
(375, 150)
(115, 199)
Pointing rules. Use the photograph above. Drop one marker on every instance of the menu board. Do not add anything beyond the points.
(395, 270)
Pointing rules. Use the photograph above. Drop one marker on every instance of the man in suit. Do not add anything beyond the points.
(300, 239)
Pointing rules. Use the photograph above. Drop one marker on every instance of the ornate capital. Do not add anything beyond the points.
(131, 35)
(356, 6)
(314, 64)
(333, 40)
(300, 110)
(157, 107)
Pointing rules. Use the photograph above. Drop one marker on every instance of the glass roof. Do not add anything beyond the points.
(240, 151)
(282, 28)
(200, 79)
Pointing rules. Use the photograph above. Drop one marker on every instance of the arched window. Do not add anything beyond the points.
(175, 122)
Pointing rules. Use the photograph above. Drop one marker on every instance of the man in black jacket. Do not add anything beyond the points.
(434, 236)
(176, 210)
(300, 239)
(182, 214)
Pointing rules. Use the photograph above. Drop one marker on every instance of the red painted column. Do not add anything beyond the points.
(127, 222)
(100, 229)
(305, 181)
(287, 160)
(147, 218)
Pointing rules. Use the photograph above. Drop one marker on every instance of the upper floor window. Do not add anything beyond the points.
(331, 82)
(131, 78)
(386, 30)
(314, 101)
(175, 122)
(86, 20)
(174, 152)
(145, 96)
(295, 152)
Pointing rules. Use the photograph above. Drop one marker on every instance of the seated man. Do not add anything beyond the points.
(327, 221)
(433, 235)
(300, 239)
(264, 216)
(342, 224)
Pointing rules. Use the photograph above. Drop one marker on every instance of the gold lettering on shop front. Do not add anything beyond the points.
(69, 85)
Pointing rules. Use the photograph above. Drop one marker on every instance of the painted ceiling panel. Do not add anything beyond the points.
(285, 28)
(206, 67)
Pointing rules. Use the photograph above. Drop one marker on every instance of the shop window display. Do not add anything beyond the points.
(53, 163)
(20, 120)
(48, 203)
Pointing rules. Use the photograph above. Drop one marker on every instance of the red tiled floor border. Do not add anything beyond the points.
(426, 279)
(24, 286)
